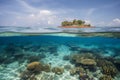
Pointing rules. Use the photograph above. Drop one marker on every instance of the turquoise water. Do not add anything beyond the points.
(16, 52)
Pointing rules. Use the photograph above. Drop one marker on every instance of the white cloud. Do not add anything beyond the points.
(29, 15)
(116, 20)
(87, 21)
(34, 16)
(113, 23)
(50, 22)
(40, 18)
(45, 12)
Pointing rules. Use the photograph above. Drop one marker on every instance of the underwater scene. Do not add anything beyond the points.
(94, 56)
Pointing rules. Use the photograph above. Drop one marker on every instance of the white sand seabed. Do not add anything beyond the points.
(12, 71)
(58, 60)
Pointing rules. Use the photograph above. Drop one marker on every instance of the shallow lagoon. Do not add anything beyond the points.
(102, 50)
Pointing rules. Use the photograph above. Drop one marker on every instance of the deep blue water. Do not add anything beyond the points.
(98, 41)
(82, 42)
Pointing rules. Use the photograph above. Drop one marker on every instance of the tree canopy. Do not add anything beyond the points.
(74, 22)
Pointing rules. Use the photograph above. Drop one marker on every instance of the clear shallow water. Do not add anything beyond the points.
(55, 49)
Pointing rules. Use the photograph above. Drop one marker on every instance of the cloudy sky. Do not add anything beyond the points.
(50, 13)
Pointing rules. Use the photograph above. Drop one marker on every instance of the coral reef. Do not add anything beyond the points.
(76, 57)
(46, 68)
(58, 70)
(35, 67)
(108, 67)
(73, 71)
(77, 70)
(46, 76)
(117, 63)
(27, 75)
(80, 69)
(67, 67)
(86, 61)
(106, 77)
(84, 76)
(81, 72)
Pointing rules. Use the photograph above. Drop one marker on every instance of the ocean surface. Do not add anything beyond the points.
(54, 29)
(59, 54)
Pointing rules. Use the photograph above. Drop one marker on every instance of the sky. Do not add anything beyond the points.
(50, 13)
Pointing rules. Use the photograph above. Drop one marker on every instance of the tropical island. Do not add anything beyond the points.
(75, 24)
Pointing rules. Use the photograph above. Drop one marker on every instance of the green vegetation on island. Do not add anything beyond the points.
(79, 23)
